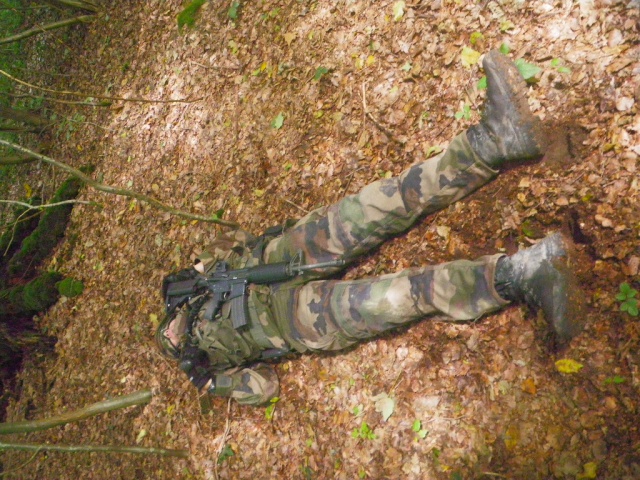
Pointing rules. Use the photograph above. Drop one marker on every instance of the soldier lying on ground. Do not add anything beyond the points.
(313, 313)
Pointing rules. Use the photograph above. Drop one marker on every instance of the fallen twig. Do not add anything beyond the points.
(137, 398)
(92, 95)
(94, 448)
(118, 191)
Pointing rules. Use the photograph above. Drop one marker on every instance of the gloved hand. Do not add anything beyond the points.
(194, 363)
(186, 274)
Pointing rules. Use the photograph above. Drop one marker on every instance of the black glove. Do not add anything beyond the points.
(194, 362)
(186, 274)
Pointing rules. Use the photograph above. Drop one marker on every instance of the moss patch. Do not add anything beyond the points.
(187, 17)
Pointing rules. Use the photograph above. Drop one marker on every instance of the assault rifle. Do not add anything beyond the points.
(228, 285)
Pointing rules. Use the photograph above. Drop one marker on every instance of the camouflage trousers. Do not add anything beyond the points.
(316, 314)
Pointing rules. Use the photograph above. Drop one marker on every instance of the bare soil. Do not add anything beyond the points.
(488, 393)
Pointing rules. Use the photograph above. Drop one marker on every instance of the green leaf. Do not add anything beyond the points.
(188, 16)
(505, 49)
(464, 113)
(630, 305)
(398, 10)
(527, 229)
(506, 25)
(320, 72)
(482, 83)
(70, 287)
(557, 64)
(364, 432)
(417, 425)
(476, 37)
(628, 290)
(527, 70)
(615, 380)
(226, 452)
(567, 365)
(278, 121)
(270, 410)
(469, 57)
(433, 150)
(233, 10)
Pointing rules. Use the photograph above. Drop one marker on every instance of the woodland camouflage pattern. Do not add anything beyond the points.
(309, 313)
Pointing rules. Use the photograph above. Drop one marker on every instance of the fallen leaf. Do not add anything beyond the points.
(141, 435)
(398, 11)
(566, 365)
(469, 57)
(590, 471)
(512, 437)
(385, 405)
(278, 121)
(529, 386)
(289, 37)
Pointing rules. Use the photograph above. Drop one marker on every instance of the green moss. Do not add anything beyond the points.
(11, 20)
(187, 17)
(53, 223)
(41, 293)
(36, 296)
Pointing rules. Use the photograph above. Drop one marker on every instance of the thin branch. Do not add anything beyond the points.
(48, 205)
(78, 4)
(16, 159)
(51, 26)
(94, 448)
(13, 231)
(102, 97)
(105, 103)
(117, 191)
(124, 401)
(20, 467)
(294, 205)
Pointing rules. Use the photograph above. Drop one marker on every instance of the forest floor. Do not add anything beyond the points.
(293, 105)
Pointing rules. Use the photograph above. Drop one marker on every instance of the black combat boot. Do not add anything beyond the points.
(539, 276)
(508, 130)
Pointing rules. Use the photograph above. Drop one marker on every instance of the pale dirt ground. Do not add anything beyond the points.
(488, 393)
